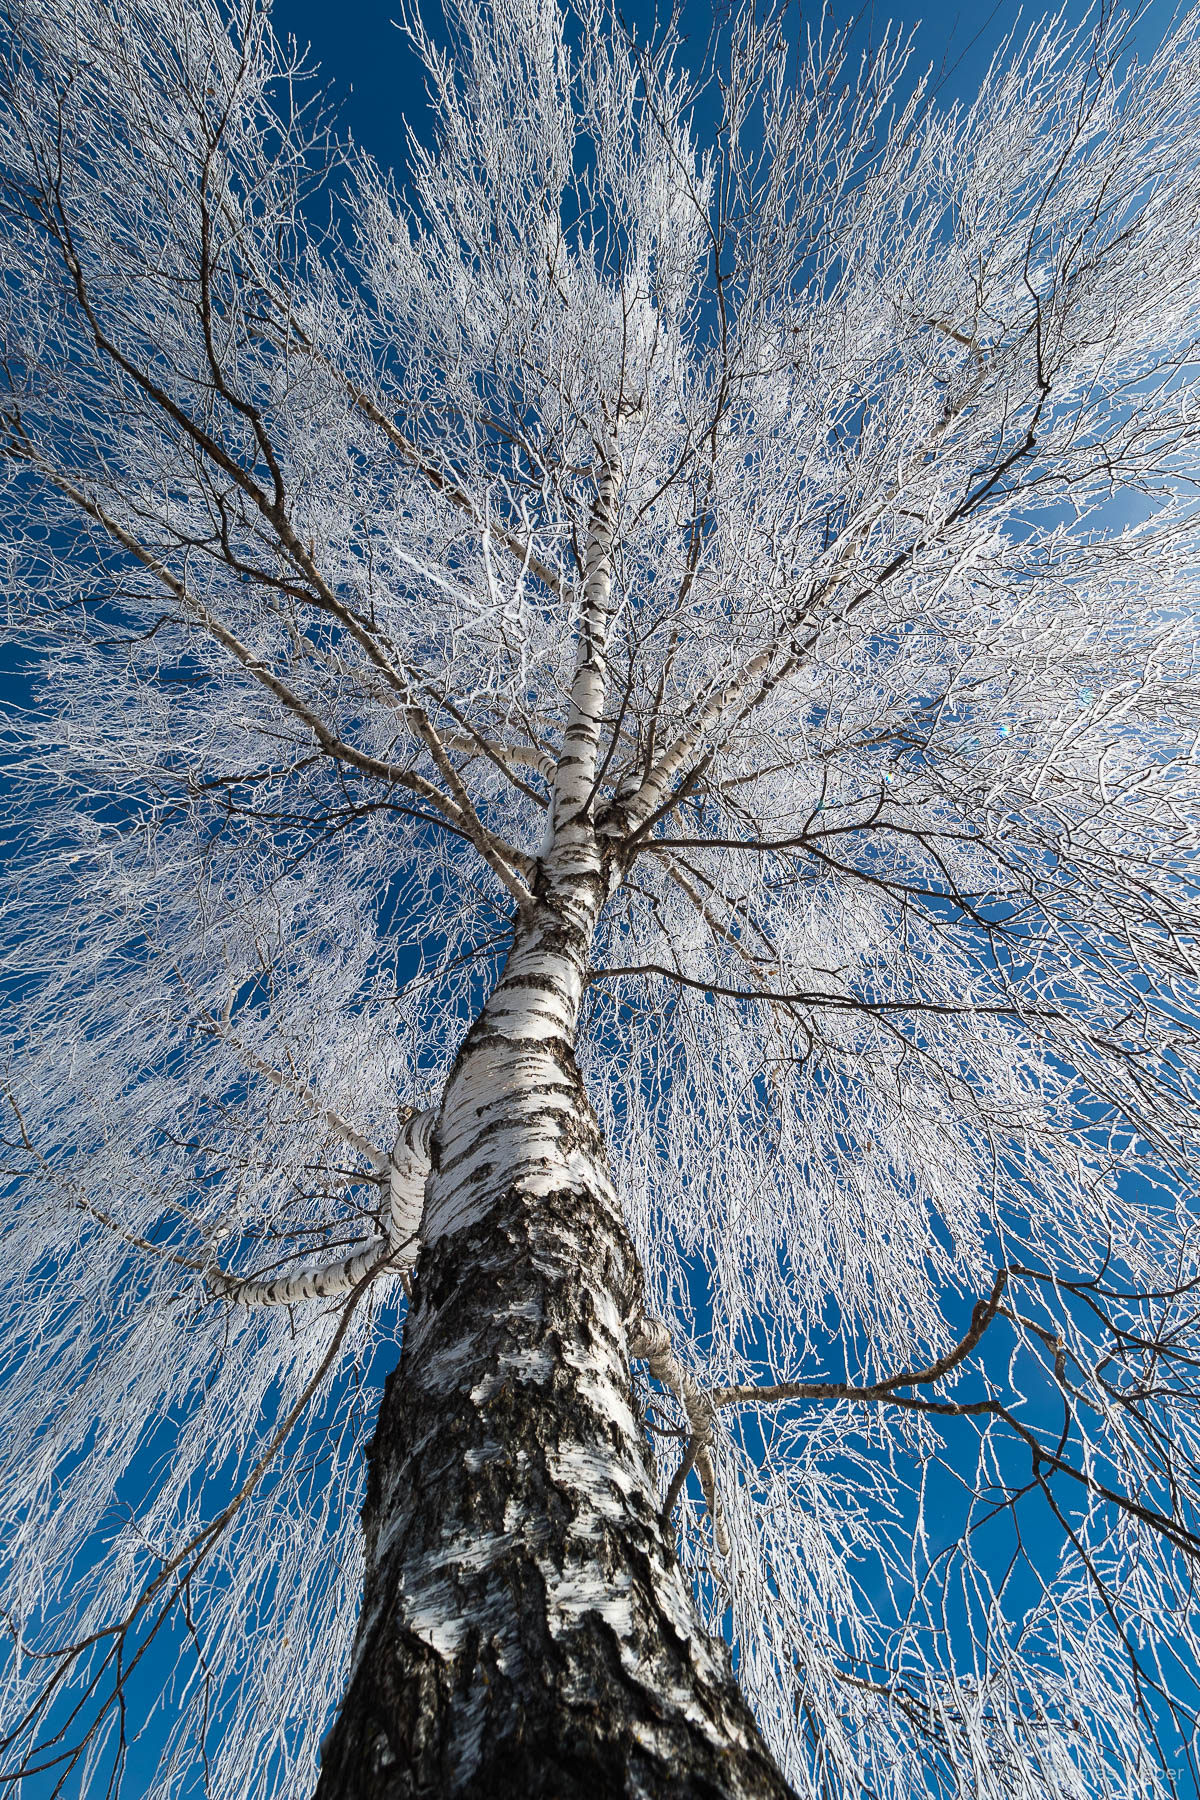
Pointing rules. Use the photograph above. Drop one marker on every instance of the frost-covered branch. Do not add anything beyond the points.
(221, 1028)
(406, 1171)
(649, 1338)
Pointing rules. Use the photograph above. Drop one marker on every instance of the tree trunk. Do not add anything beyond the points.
(526, 1630)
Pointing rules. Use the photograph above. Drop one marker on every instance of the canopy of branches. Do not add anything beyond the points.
(891, 1023)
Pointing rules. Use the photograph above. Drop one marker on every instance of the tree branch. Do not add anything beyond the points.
(649, 1338)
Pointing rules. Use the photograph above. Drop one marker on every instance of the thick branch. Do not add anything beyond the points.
(575, 777)
(649, 1338)
(407, 1169)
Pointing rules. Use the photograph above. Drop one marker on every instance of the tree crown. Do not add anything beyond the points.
(779, 489)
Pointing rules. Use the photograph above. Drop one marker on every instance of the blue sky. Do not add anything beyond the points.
(370, 76)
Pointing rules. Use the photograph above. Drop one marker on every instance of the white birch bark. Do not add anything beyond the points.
(574, 851)
(512, 1518)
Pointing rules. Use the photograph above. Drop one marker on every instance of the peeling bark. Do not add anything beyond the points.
(526, 1630)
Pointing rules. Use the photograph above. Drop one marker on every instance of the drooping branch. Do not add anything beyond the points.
(891, 1391)
(982, 1316)
(169, 1580)
(459, 812)
(312, 1103)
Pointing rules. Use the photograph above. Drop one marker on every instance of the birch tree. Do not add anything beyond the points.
(604, 820)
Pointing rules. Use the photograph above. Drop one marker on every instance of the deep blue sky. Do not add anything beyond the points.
(370, 75)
